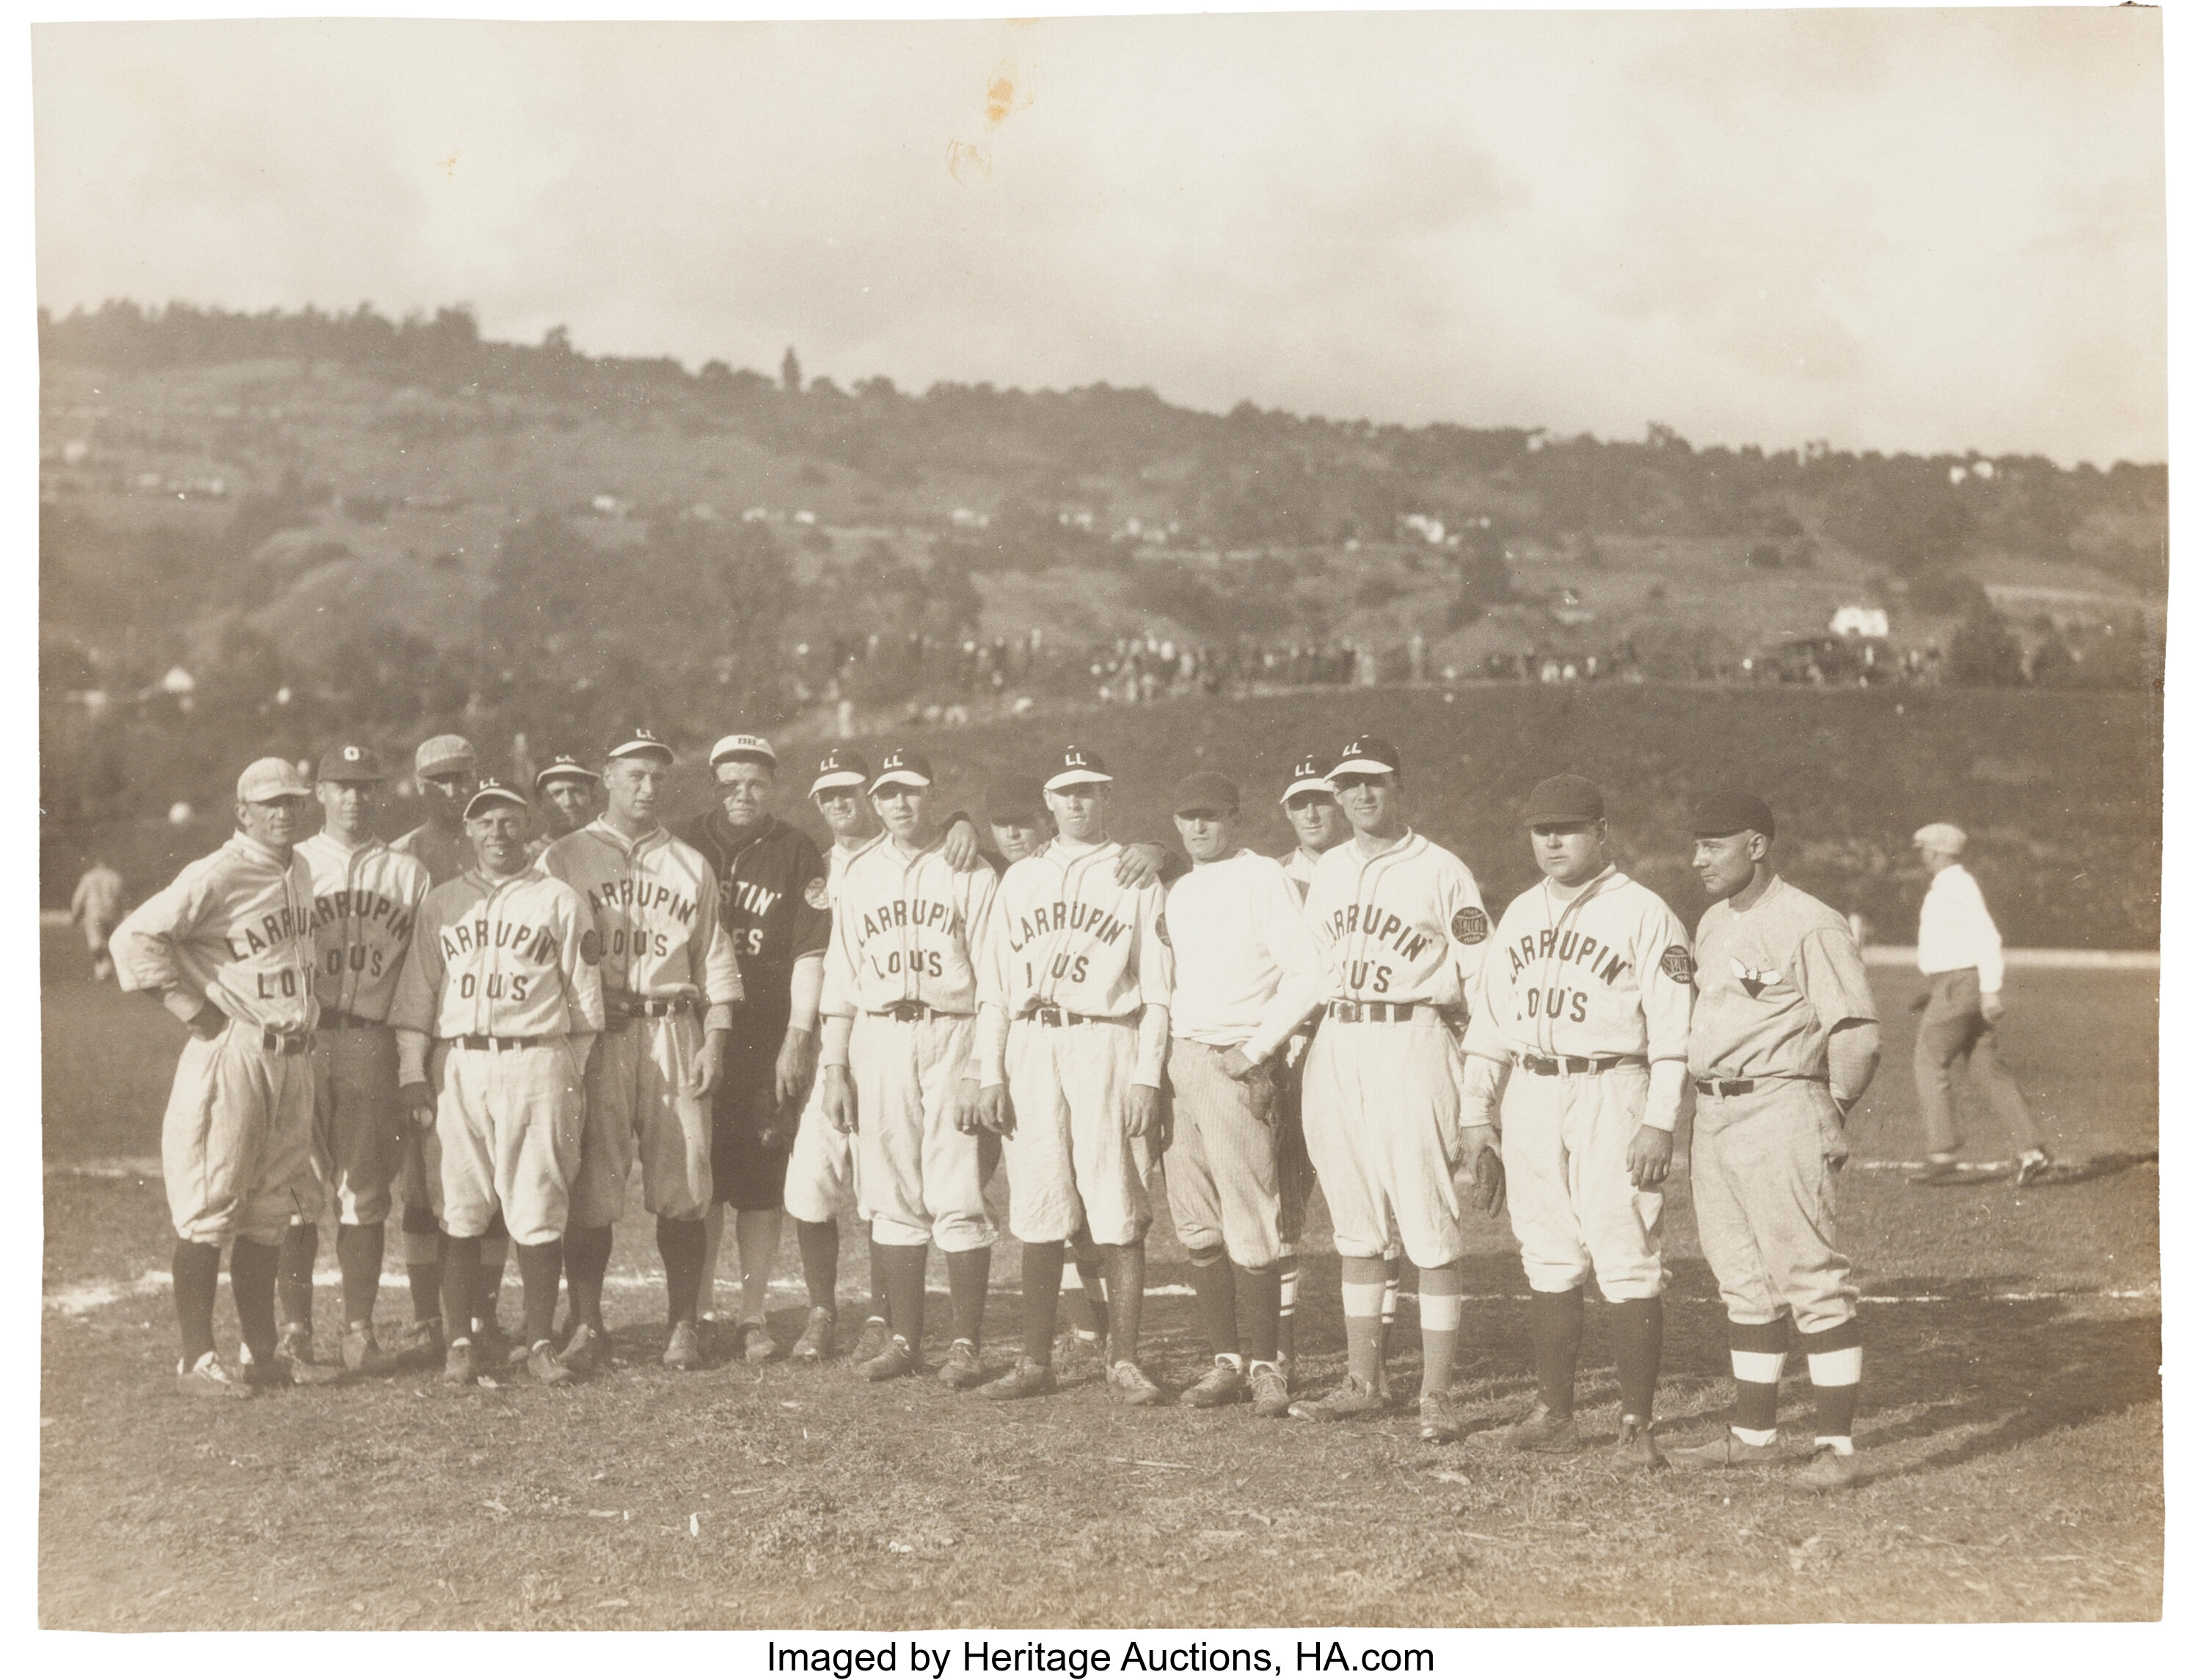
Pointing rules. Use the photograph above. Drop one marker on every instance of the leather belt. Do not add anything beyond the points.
(483, 1041)
(1050, 1015)
(627, 1005)
(910, 1010)
(337, 1018)
(1550, 1065)
(286, 1043)
(1346, 1009)
(1725, 1087)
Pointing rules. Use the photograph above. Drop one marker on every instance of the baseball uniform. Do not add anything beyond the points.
(670, 975)
(825, 1166)
(95, 907)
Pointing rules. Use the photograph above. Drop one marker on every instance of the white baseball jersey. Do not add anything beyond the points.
(365, 898)
(234, 929)
(1299, 870)
(1406, 926)
(508, 959)
(905, 929)
(1605, 973)
(821, 1165)
(1064, 933)
(1247, 971)
(655, 903)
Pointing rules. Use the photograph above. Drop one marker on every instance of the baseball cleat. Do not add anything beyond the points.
(544, 1365)
(1942, 1172)
(683, 1348)
(1273, 1394)
(871, 1341)
(584, 1349)
(459, 1364)
(961, 1369)
(210, 1379)
(295, 1343)
(420, 1344)
(1825, 1471)
(1544, 1431)
(1078, 1356)
(1439, 1421)
(1353, 1398)
(1635, 1449)
(2032, 1167)
(757, 1347)
(279, 1372)
(1224, 1384)
(1726, 1451)
(1029, 1379)
(363, 1356)
(1131, 1386)
(896, 1361)
(816, 1341)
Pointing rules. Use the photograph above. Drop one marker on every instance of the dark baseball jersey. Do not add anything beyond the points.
(772, 900)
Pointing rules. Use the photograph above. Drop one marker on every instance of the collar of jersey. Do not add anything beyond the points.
(1608, 876)
(259, 851)
(1062, 847)
(601, 827)
(722, 827)
(1391, 850)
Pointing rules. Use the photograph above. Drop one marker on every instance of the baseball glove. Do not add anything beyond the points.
(1488, 1195)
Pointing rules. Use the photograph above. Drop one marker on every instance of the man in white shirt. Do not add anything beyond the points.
(1248, 974)
(1960, 955)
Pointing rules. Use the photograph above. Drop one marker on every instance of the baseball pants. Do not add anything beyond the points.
(1953, 1031)
(1565, 1138)
(359, 1133)
(823, 1169)
(923, 1178)
(509, 1124)
(237, 1140)
(1762, 1175)
(1382, 1129)
(1223, 1161)
(639, 1104)
(750, 1157)
(1071, 1155)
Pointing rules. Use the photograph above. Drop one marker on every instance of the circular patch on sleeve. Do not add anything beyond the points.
(1676, 965)
(814, 893)
(1161, 930)
(592, 948)
(1470, 927)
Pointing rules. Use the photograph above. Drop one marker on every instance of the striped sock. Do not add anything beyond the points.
(1756, 1354)
(1836, 1357)
(1288, 1301)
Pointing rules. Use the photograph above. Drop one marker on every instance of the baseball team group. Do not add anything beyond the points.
(482, 1027)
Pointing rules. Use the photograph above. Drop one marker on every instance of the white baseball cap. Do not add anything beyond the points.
(1079, 764)
(269, 778)
(1308, 775)
(744, 746)
(1941, 837)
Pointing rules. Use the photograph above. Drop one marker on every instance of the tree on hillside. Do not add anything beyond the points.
(1983, 651)
(790, 373)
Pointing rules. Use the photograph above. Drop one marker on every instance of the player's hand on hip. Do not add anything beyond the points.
(797, 1062)
(1991, 1006)
(1140, 865)
(703, 1074)
(959, 849)
(209, 1023)
(994, 1111)
(836, 1095)
(967, 1100)
(1650, 1152)
(1146, 1117)
(419, 1103)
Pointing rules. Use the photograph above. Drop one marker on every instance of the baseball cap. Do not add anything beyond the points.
(904, 766)
(744, 746)
(1204, 791)
(1013, 797)
(266, 778)
(1942, 837)
(1078, 765)
(349, 762)
(489, 795)
(1309, 775)
(1367, 756)
(564, 768)
(1731, 811)
(1565, 799)
(638, 743)
(842, 768)
(443, 756)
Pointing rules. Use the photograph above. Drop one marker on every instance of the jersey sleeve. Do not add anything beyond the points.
(1302, 983)
(812, 920)
(579, 958)
(1467, 930)
(420, 990)
(1665, 974)
(992, 961)
(1833, 978)
(1157, 982)
(143, 945)
(721, 976)
(1490, 1006)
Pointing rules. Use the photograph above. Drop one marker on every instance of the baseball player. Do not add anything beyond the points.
(1073, 1035)
(1247, 973)
(447, 772)
(95, 907)
(1783, 1041)
(566, 791)
(496, 1010)
(228, 947)
(1401, 927)
(671, 981)
(366, 895)
(1960, 955)
(1577, 1052)
(899, 1049)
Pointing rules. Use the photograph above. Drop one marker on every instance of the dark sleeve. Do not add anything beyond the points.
(812, 925)
(1173, 865)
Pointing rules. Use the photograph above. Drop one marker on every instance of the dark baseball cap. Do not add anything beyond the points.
(490, 794)
(638, 743)
(1565, 799)
(1367, 756)
(904, 766)
(1079, 763)
(842, 768)
(1731, 811)
(349, 761)
(1013, 797)
(1204, 791)
(564, 768)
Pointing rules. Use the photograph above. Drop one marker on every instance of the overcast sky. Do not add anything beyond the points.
(1904, 231)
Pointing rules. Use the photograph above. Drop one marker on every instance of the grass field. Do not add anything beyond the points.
(2012, 1426)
